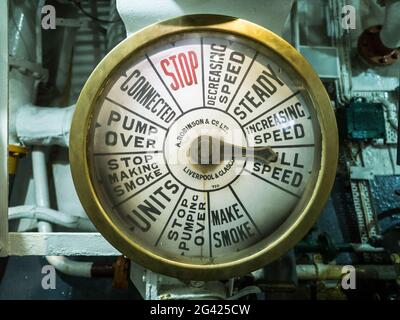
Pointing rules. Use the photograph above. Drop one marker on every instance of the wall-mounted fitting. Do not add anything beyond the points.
(372, 49)
(15, 152)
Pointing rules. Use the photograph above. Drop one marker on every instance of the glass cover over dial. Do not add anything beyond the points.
(202, 146)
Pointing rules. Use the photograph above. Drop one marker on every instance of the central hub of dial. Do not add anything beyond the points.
(195, 149)
(208, 151)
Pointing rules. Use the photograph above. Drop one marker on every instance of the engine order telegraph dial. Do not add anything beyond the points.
(203, 147)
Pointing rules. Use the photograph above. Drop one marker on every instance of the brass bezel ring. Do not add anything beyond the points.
(287, 237)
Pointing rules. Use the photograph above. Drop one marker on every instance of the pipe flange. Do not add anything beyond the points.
(371, 48)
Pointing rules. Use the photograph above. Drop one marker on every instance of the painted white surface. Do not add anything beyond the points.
(47, 214)
(137, 14)
(44, 125)
(59, 244)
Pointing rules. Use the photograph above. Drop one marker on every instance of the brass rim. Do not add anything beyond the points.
(288, 237)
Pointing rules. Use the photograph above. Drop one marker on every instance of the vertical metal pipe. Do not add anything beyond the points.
(63, 264)
(294, 26)
(3, 126)
(398, 126)
(40, 179)
(22, 46)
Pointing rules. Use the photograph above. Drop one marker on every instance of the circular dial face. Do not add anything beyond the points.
(146, 129)
(203, 147)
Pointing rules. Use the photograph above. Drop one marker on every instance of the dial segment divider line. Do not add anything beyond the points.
(170, 216)
(272, 108)
(271, 183)
(244, 209)
(141, 190)
(209, 222)
(135, 113)
(202, 70)
(242, 81)
(162, 81)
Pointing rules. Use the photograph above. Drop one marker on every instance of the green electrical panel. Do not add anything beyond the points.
(365, 120)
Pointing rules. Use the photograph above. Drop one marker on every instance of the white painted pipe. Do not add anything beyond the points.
(71, 267)
(48, 215)
(22, 46)
(390, 33)
(40, 177)
(44, 125)
(62, 264)
(137, 14)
